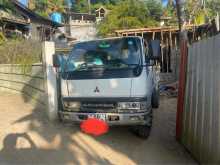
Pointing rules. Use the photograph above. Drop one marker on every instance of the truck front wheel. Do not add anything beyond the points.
(142, 131)
(155, 98)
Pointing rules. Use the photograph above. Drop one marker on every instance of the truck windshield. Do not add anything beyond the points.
(107, 54)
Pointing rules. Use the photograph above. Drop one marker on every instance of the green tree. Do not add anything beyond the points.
(154, 7)
(213, 7)
(131, 14)
(170, 11)
(113, 2)
(6, 4)
(41, 7)
(200, 13)
(81, 6)
(45, 7)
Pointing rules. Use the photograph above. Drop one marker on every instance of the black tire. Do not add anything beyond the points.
(155, 100)
(142, 131)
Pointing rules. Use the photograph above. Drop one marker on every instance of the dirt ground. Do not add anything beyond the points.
(26, 137)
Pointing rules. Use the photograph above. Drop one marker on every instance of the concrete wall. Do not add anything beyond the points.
(36, 83)
(82, 31)
(29, 81)
(51, 82)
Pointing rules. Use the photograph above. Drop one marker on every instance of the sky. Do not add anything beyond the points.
(164, 2)
(24, 2)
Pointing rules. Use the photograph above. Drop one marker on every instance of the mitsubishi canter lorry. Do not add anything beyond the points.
(110, 79)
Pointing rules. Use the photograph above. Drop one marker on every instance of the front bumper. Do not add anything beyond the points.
(144, 118)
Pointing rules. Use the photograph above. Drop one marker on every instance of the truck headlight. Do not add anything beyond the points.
(132, 105)
(72, 104)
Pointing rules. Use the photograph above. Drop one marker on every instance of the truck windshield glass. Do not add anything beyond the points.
(107, 54)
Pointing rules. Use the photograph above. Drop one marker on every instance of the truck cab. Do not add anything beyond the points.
(110, 79)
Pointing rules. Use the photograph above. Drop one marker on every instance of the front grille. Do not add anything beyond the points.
(86, 110)
(98, 105)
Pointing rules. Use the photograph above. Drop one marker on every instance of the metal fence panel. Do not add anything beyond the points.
(201, 117)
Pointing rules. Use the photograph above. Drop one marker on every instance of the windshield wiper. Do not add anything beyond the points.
(133, 64)
(119, 61)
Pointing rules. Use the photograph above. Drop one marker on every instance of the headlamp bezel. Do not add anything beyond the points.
(71, 104)
(132, 105)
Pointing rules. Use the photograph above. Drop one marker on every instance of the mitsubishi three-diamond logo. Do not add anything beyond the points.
(96, 90)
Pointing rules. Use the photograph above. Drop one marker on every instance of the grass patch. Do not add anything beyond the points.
(20, 51)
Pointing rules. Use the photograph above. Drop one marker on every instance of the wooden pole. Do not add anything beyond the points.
(161, 36)
(171, 40)
(167, 54)
(176, 56)
(162, 54)
(153, 37)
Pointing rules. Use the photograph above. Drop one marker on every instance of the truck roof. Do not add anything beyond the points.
(109, 38)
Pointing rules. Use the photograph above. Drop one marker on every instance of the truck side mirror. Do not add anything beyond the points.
(56, 61)
(154, 50)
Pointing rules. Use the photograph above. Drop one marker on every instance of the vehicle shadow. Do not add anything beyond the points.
(57, 143)
(46, 143)
(32, 155)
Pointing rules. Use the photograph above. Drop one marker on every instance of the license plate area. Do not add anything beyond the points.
(99, 116)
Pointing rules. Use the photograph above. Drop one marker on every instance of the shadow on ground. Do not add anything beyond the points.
(45, 142)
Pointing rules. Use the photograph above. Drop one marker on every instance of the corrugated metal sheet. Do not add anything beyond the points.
(201, 118)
